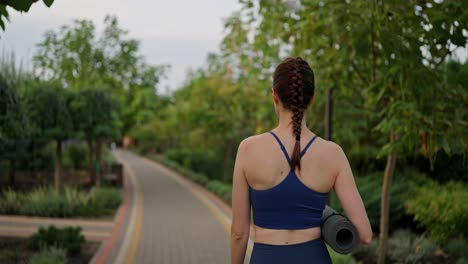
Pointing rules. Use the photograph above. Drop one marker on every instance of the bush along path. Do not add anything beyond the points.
(173, 220)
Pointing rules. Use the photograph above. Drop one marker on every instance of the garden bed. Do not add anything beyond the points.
(18, 250)
(73, 202)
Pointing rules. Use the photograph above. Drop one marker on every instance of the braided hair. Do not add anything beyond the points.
(294, 82)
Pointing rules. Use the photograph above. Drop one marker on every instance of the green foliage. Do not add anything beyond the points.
(13, 118)
(99, 201)
(11, 202)
(75, 156)
(368, 253)
(73, 56)
(339, 258)
(196, 160)
(441, 209)
(68, 238)
(19, 5)
(450, 168)
(405, 248)
(45, 202)
(457, 247)
(50, 255)
(95, 113)
(10, 256)
(223, 190)
(369, 187)
(39, 156)
(107, 197)
(47, 107)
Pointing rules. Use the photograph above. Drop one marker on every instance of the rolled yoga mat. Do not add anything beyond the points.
(338, 232)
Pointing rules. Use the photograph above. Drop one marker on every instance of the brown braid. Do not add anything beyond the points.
(294, 83)
(298, 112)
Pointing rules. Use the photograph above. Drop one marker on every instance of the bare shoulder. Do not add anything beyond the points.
(330, 150)
(252, 144)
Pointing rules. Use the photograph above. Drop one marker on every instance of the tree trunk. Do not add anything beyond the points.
(98, 163)
(91, 164)
(11, 173)
(329, 121)
(58, 167)
(385, 202)
(329, 115)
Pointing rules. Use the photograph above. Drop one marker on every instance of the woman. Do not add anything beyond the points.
(286, 175)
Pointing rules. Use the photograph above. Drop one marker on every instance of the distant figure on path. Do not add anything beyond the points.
(285, 176)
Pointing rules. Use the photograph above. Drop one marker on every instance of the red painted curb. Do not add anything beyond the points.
(121, 215)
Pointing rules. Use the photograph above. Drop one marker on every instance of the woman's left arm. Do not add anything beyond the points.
(240, 227)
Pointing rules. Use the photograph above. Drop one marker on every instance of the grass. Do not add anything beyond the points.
(339, 258)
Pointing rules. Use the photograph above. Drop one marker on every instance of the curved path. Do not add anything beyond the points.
(168, 221)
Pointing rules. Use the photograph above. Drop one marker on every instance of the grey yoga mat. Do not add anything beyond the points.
(338, 232)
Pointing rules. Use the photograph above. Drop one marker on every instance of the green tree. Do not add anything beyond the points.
(96, 117)
(19, 5)
(77, 58)
(14, 123)
(47, 107)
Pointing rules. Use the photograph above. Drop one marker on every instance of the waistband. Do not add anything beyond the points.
(297, 245)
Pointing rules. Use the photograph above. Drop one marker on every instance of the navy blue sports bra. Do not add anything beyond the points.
(290, 204)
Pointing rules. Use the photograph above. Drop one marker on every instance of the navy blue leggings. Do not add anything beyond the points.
(309, 252)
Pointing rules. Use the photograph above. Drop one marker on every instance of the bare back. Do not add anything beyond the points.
(266, 166)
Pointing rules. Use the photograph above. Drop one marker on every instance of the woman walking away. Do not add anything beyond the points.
(285, 176)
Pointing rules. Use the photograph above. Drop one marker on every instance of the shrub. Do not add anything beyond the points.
(68, 238)
(75, 156)
(98, 202)
(221, 189)
(199, 161)
(368, 253)
(407, 247)
(40, 157)
(11, 202)
(106, 197)
(441, 209)
(457, 247)
(50, 255)
(108, 157)
(10, 256)
(47, 202)
(177, 155)
(370, 188)
(199, 178)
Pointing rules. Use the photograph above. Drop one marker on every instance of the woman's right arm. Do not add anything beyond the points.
(348, 194)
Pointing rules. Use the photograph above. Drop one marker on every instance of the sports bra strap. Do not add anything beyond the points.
(308, 145)
(282, 146)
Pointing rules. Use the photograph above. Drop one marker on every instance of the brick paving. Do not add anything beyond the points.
(177, 228)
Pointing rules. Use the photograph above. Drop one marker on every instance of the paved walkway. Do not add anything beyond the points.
(170, 221)
(164, 219)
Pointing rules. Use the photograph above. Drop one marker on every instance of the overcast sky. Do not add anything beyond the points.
(175, 32)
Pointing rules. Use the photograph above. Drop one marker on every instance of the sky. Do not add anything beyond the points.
(180, 33)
